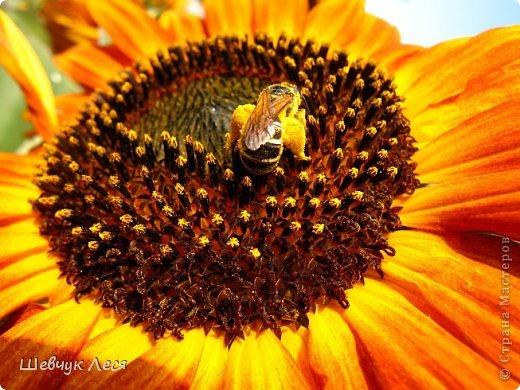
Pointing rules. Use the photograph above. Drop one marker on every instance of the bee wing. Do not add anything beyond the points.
(259, 129)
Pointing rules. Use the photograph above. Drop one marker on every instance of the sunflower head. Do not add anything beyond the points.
(149, 211)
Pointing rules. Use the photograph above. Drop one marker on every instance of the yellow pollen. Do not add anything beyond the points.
(115, 201)
(338, 153)
(362, 156)
(357, 195)
(335, 202)
(353, 172)
(318, 228)
(289, 202)
(255, 253)
(303, 177)
(96, 228)
(202, 193)
(168, 211)
(233, 242)
(157, 196)
(372, 171)
(271, 201)
(114, 181)
(63, 213)
(93, 245)
(126, 219)
(393, 142)
(314, 203)
(371, 131)
(295, 226)
(382, 154)
(183, 223)
(77, 231)
(279, 171)
(204, 241)
(48, 200)
(132, 135)
(165, 249)
(392, 171)
(73, 166)
(89, 199)
(244, 216)
(139, 229)
(217, 219)
(140, 151)
(179, 188)
(127, 87)
(105, 236)
(321, 178)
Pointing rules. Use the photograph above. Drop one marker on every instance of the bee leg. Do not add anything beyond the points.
(238, 121)
(293, 135)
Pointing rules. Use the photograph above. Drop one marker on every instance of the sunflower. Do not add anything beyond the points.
(182, 268)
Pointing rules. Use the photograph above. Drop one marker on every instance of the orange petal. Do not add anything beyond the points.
(20, 239)
(182, 26)
(486, 203)
(14, 201)
(22, 63)
(33, 289)
(456, 80)
(404, 348)
(59, 331)
(129, 26)
(211, 372)
(169, 364)
(463, 317)
(258, 354)
(345, 24)
(296, 342)
(333, 354)
(88, 65)
(439, 258)
(68, 106)
(20, 315)
(274, 18)
(229, 17)
(20, 167)
(111, 345)
(477, 140)
(25, 268)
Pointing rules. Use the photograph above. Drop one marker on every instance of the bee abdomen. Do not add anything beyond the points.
(264, 159)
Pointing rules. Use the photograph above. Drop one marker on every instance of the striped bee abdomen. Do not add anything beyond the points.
(264, 159)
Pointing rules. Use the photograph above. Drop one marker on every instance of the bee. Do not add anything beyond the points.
(261, 132)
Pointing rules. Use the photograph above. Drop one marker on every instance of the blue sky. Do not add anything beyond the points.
(426, 22)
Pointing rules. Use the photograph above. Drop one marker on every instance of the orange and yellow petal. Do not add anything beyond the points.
(458, 79)
(112, 345)
(68, 106)
(226, 17)
(261, 353)
(181, 25)
(333, 352)
(274, 18)
(488, 202)
(59, 331)
(346, 24)
(15, 188)
(404, 347)
(130, 28)
(22, 63)
(69, 23)
(488, 142)
(88, 65)
(170, 363)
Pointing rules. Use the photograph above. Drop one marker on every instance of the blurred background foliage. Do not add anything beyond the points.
(25, 14)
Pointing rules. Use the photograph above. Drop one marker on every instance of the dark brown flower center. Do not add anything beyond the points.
(147, 211)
